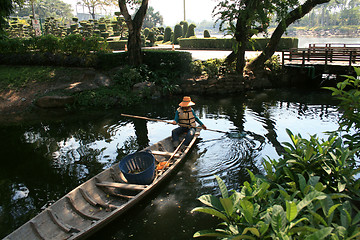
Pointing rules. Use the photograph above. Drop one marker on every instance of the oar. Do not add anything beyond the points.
(168, 122)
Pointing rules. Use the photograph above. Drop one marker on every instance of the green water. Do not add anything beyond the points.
(43, 160)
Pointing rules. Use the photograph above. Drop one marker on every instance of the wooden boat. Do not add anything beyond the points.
(99, 200)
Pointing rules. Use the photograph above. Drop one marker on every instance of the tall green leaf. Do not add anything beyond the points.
(248, 210)
(278, 218)
(291, 211)
(222, 186)
(212, 212)
(320, 234)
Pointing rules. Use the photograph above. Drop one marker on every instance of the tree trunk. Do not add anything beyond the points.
(292, 16)
(134, 26)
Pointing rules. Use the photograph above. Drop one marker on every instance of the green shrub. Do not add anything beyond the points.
(117, 45)
(146, 32)
(348, 92)
(167, 36)
(48, 43)
(177, 33)
(151, 37)
(260, 211)
(257, 44)
(206, 33)
(309, 193)
(191, 31)
(185, 27)
(160, 38)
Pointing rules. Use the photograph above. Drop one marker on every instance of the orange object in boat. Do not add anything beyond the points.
(162, 165)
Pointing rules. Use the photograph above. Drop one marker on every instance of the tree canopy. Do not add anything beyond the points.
(44, 9)
(92, 5)
(246, 18)
(6, 8)
(152, 19)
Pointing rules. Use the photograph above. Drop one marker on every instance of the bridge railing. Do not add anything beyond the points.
(324, 54)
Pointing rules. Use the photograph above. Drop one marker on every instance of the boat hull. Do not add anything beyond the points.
(100, 200)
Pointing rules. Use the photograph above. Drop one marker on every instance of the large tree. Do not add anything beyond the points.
(246, 18)
(44, 9)
(134, 25)
(6, 8)
(152, 19)
(92, 5)
(294, 15)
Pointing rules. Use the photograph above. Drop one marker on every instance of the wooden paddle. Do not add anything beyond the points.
(168, 122)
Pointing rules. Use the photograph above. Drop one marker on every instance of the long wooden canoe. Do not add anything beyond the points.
(99, 200)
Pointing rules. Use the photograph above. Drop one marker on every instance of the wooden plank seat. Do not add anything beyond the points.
(135, 187)
(35, 229)
(78, 211)
(65, 227)
(166, 154)
(96, 203)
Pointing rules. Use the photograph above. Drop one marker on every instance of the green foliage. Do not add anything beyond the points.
(257, 44)
(210, 68)
(156, 60)
(13, 77)
(47, 43)
(72, 44)
(167, 36)
(329, 159)
(185, 27)
(206, 34)
(146, 32)
(274, 65)
(260, 211)
(348, 92)
(128, 76)
(177, 33)
(191, 31)
(151, 38)
(308, 194)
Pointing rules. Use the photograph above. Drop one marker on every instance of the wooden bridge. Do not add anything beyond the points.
(326, 54)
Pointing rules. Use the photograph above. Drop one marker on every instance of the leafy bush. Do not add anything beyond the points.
(348, 92)
(177, 33)
(260, 211)
(329, 159)
(257, 44)
(191, 31)
(308, 194)
(167, 36)
(211, 67)
(185, 27)
(206, 33)
(48, 43)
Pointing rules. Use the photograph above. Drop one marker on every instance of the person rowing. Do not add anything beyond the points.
(185, 117)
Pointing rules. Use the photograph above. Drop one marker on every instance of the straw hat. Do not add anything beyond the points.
(186, 102)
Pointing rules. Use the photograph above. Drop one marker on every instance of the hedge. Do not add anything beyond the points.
(117, 45)
(256, 44)
(155, 59)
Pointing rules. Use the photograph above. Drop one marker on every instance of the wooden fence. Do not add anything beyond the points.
(343, 54)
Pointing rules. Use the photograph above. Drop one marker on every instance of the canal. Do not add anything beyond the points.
(43, 160)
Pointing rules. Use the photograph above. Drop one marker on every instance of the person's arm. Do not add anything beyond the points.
(198, 120)
(176, 119)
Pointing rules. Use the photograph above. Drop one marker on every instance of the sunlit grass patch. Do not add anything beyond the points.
(19, 76)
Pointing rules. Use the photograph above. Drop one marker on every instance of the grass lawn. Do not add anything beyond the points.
(12, 77)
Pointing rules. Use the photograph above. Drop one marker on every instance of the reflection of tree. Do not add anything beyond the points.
(29, 159)
(141, 132)
(263, 112)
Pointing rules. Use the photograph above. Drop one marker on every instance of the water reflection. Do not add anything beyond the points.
(43, 161)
